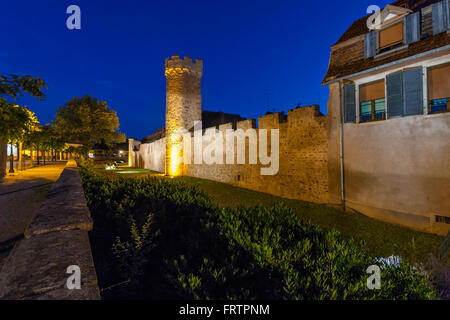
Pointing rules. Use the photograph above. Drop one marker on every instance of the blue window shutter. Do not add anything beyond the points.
(412, 92)
(412, 28)
(440, 14)
(370, 44)
(349, 103)
(447, 12)
(394, 93)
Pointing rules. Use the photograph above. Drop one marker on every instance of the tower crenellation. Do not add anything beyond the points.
(176, 63)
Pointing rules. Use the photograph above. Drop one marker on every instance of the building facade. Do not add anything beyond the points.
(389, 116)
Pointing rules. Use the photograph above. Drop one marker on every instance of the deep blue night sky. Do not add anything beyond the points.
(256, 53)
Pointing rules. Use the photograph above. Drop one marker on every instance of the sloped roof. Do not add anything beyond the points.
(424, 45)
(359, 27)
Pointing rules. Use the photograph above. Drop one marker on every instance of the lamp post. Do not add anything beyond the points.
(11, 159)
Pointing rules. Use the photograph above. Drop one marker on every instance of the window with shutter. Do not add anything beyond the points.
(370, 44)
(440, 12)
(394, 92)
(349, 103)
(412, 28)
(391, 37)
(372, 101)
(438, 83)
(412, 92)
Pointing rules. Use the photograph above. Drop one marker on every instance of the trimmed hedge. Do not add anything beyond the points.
(172, 242)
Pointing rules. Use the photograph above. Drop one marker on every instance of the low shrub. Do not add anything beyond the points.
(172, 241)
(439, 274)
(85, 162)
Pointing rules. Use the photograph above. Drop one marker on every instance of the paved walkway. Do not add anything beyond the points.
(21, 195)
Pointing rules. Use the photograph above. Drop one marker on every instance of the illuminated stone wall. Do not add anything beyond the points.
(303, 170)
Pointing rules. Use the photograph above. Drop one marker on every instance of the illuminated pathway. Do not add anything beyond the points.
(21, 196)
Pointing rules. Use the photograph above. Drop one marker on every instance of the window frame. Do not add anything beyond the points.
(426, 102)
(394, 45)
(428, 69)
(372, 109)
(437, 112)
(372, 102)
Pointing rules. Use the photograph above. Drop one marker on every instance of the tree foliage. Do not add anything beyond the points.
(15, 86)
(88, 120)
(17, 121)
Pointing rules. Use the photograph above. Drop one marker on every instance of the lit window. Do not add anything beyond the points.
(372, 101)
(380, 109)
(390, 38)
(366, 111)
(439, 88)
(438, 105)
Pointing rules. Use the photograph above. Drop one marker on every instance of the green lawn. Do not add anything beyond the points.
(382, 239)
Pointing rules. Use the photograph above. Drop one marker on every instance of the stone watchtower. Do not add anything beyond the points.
(183, 105)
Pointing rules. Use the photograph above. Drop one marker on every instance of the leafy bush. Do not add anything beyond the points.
(132, 253)
(85, 162)
(440, 276)
(173, 242)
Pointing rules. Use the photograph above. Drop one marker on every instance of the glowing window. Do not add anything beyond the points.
(391, 37)
(372, 101)
(438, 80)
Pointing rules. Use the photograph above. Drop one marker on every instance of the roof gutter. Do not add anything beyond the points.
(420, 55)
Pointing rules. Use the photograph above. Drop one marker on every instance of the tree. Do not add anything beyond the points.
(54, 141)
(34, 139)
(88, 120)
(46, 138)
(15, 120)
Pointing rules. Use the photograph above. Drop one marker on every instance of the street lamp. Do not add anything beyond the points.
(11, 159)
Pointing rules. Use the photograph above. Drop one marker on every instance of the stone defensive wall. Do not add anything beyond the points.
(57, 238)
(303, 145)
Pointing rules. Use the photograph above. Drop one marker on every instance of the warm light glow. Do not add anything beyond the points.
(175, 155)
(130, 152)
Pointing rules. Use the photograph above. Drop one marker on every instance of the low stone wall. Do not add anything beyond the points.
(56, 239)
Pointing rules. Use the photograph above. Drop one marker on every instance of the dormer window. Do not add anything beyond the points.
(391, 37)
(394, 27)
